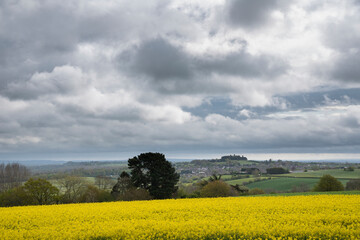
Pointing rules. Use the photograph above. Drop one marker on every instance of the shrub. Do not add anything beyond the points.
(271, 191)
(301, 187)
(353, 184)
(94, 194)
(256, 191)
(15, 197)
(277, 170)
(216, 188)
(328, 183)
(135, 194)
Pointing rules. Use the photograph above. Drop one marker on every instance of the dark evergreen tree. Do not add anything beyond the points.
(154, 173)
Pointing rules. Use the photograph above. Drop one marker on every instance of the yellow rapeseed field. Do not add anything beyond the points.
(295, 217)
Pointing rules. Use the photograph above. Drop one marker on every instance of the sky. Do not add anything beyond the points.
(110, 79)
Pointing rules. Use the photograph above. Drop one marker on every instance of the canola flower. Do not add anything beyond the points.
(295, 217)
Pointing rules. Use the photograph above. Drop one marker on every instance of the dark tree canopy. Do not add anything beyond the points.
(276, 170)
(328, 183)
(154, 173)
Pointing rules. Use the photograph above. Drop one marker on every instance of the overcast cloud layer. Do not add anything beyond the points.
(182, 76)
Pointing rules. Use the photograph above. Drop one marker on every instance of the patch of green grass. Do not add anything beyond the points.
(337, 173)
(286, 184)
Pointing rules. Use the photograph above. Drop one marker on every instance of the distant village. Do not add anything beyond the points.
(240, 165)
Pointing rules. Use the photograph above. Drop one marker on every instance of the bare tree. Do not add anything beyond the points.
(103, 182)
(72, 187)
(12, 175)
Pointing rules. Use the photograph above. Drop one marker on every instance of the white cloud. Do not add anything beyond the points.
(246, 113)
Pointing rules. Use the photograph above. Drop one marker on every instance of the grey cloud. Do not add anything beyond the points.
(6, 55)
(128, 21)
(40, 35)
(62, 80)
(346, 67)
(174, 70)
(245, 65)
(109, 27)
(350, 122)
(40, 29)
(127, 113)
(162, 61)
(249, 14)
(343, 36)
(34, 38)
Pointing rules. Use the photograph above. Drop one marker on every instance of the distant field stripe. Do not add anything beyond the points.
(242, 180)
(289, 176)
(286, 184)
(337, 173)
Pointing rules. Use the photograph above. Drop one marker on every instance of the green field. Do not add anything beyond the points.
(308, 193)
(286, 184)
(337, 173)
(226, 177)
(241, 181)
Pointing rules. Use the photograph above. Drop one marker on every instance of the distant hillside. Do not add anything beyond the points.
(31, 163)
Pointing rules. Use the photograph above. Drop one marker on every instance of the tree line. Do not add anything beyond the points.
(12, 175)
(150, 176)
